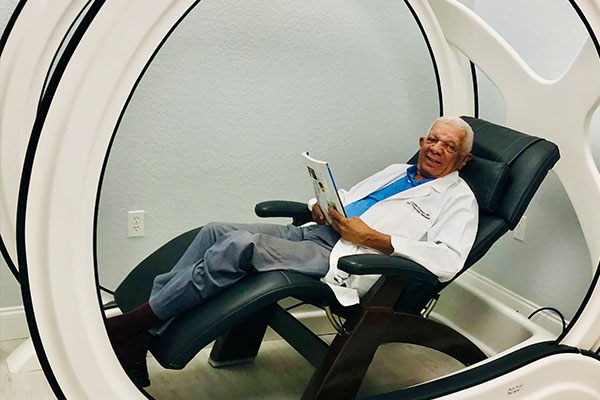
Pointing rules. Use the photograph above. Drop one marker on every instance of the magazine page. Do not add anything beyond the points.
(324, 185)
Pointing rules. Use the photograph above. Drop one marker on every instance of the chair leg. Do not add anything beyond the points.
(342, 371)
(414, 329)
(241, 344)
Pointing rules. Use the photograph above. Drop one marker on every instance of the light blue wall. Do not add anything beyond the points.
(239, 91)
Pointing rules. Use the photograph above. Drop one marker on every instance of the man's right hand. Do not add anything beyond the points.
(318, 216)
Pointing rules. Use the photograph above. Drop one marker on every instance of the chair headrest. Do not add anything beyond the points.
(507, 168)
(528, 158)
(486, 179)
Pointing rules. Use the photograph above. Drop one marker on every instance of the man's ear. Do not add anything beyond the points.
(421, 141)
(465, 159)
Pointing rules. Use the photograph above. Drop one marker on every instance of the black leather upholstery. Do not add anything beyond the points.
(502, 144)
(503, 179)
(365, 264)
(299, 212)
(488, 178)
(508, 169)
(489, 230)
(192, 331)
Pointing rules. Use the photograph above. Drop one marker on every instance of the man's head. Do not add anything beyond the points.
(447, 147)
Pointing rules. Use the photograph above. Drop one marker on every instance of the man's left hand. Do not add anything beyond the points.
(352, 229)
(355, 230)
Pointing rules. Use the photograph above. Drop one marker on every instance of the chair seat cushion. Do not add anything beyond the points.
(193, 330)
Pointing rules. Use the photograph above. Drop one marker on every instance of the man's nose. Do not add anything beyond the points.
(437, 147)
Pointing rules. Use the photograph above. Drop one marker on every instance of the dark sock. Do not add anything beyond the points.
(132, 351)
(123, 327)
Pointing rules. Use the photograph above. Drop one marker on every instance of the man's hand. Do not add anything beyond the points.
(318, 216)
(356, 231)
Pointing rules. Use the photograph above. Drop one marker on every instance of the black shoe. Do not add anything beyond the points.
(132, 356)
(138, 374)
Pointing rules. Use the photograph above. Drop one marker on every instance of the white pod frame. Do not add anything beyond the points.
(65, 159)
(24, 70)
(59, 191)
(562, 114)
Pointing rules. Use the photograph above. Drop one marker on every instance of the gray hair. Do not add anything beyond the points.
(461, 124)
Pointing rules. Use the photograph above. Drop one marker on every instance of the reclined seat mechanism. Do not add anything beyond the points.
(507, 169)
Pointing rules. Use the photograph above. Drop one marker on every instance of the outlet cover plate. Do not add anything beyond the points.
(135, 223)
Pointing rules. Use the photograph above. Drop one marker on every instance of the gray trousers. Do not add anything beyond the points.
(222, 254)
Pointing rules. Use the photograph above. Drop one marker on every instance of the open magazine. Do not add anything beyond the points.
(324, 185)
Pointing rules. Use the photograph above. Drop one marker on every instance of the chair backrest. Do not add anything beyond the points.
(506, 171)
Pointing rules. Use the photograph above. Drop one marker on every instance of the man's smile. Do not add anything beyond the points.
(432, 160)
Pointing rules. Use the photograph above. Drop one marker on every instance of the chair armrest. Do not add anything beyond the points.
(364, 264)
(284, 208)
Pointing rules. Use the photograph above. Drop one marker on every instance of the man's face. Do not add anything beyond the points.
(441, 151)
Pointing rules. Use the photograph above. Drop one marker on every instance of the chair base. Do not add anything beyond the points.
(229, 363)
(341, 367)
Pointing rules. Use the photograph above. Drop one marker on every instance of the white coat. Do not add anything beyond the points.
(433, 224)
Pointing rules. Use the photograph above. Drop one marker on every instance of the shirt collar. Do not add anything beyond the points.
(411, 172)
(438, 184)
(441, 184)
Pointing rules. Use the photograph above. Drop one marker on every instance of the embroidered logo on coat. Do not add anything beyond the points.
(418, 209)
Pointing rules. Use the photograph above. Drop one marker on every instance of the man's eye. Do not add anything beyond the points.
(431, 140)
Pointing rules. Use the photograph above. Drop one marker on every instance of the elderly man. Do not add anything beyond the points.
(425, 212)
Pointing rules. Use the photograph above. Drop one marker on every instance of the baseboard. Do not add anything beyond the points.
(547, 320)
(13, 324)
(317, 321)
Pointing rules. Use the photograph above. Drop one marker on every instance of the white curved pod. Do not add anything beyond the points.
(56, 249)
(561, 376)
(453, 68)
(559, 110)
(586, 332)
(57, 246)
(25, 62)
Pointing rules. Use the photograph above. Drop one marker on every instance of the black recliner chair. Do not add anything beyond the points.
(506, 171)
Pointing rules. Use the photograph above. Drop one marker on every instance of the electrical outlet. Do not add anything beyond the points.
(135, 223)
(519, 232)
